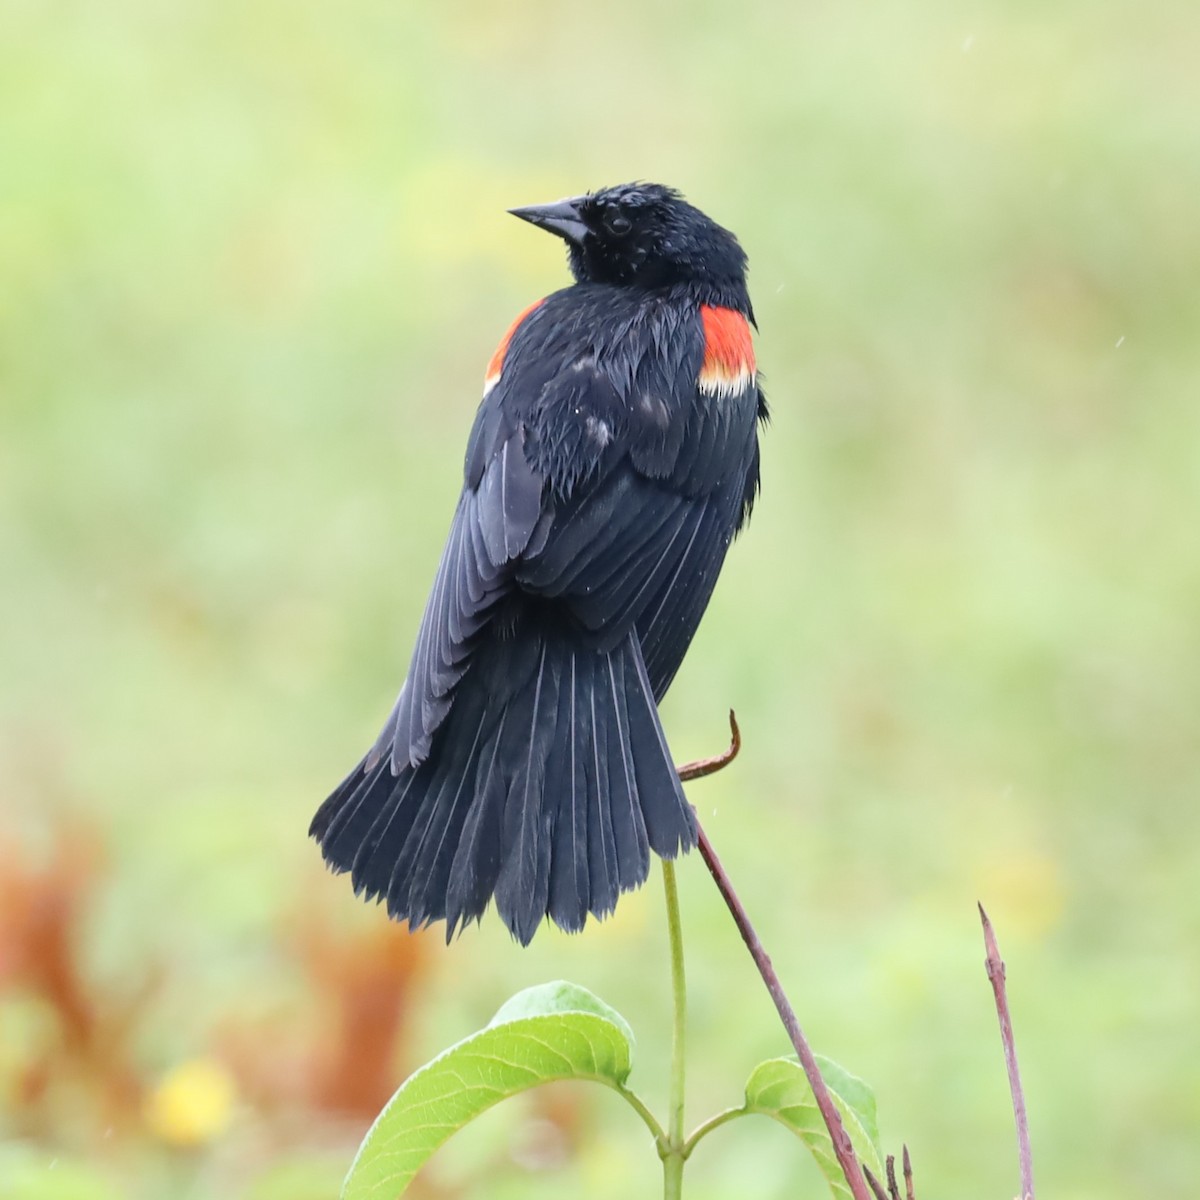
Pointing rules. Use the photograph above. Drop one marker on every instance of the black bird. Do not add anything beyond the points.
(611, 463)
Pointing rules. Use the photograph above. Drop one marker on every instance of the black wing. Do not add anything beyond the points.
(607, 483)
(497, 514)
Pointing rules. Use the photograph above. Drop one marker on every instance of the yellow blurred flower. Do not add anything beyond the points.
(1027, 892)
(192, 1104)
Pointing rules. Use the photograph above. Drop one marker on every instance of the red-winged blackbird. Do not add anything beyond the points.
(612, 460)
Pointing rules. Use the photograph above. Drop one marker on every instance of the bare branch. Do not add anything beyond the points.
(876, 1187)
(893, 1187)
(842, 1145)
(996, 973)
(710, 766)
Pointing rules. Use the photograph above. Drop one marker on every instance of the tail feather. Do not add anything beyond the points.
(523, 884)
(412, 868)
(476, 864)
(570, 886)
(670, 821)
(628, 823)
(383, 840)
(417, 887)
(602, 848)
(345, 820)
(547, 786)
(431, 878)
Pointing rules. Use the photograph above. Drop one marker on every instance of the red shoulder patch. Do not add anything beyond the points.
(496, 362)
(728, 365)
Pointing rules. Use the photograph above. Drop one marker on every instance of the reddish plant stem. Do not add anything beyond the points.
(996, 974)
(710, 766)
(876, 1187)
(842, 1145)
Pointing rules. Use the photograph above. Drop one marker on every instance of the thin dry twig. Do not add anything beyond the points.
(842, 1146)
(718, 762)
(996, 974)
(876, 1187)
(893, 1187)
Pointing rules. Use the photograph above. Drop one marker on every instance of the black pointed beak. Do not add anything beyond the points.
(563, 217)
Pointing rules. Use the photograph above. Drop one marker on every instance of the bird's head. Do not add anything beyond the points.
(645, 235)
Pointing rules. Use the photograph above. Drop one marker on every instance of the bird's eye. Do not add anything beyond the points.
(618, 224)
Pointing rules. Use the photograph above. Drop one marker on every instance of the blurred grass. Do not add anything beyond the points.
(254, 258)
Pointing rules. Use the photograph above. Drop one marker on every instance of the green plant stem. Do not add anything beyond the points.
(673, 1152)
(706, 1127)
(638, 1105)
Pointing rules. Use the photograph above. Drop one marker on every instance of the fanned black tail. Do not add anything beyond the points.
(547, 786)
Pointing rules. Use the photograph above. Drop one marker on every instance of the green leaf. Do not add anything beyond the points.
(779, 1089)
(546, 1033)
(548, 999)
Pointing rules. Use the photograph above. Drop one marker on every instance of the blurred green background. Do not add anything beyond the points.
(253, 259)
